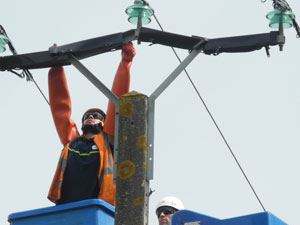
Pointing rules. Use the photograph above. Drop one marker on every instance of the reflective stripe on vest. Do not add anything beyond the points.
(60, 183)
(63, 163)
(109, 170)
(110, 166)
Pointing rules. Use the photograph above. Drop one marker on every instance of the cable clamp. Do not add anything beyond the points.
(55, 51)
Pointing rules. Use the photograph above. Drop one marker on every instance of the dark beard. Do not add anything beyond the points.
(91, 129)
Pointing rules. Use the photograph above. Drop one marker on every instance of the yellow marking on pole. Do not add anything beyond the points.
(126, 108)
(126, 169)
(141, 143)
(144, 183)
(138, 201)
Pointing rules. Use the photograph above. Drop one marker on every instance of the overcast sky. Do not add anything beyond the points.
(254, 99)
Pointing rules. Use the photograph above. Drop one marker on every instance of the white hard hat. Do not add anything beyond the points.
(172, 202)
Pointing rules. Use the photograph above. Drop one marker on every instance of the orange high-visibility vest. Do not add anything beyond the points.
(105, 176)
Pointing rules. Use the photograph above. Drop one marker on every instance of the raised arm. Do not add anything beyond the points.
(60, 104)
(120, 85)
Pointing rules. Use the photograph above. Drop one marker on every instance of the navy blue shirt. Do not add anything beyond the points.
(80, 180)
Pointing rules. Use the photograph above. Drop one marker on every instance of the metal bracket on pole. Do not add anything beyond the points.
(150, 139)
(93, 79)
(111, 96)
(151, 106)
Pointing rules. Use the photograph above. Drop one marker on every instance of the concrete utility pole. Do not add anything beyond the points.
(132, 184)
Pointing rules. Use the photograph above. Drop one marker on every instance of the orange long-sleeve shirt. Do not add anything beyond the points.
(60, 100)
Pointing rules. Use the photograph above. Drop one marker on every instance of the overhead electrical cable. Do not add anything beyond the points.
(215, 123)
(31, 77)
(25, 72)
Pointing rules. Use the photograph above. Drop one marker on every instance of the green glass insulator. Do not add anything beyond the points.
(277, 17)
(139, 11)
(3, 42)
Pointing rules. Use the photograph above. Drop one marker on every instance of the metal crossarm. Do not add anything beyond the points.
(245, 43)
(57, 55)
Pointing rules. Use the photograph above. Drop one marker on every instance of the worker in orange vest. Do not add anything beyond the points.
(85, 168)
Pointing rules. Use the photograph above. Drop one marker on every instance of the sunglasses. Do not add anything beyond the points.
(95, 115)
(166, 210)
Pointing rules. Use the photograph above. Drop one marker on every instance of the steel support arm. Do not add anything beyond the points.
(57, 55)
(245, 43)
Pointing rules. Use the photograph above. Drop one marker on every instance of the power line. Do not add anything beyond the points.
(25, 72)
(40, 90)
(29, 77)
(215, 123)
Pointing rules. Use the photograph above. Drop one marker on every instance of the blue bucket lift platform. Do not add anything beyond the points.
(97, 212)
(87, 212)
(186, 217)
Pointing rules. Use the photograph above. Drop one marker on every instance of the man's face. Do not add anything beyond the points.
(92, 123)
(92, 118)
(165, 214)
(164, 219)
